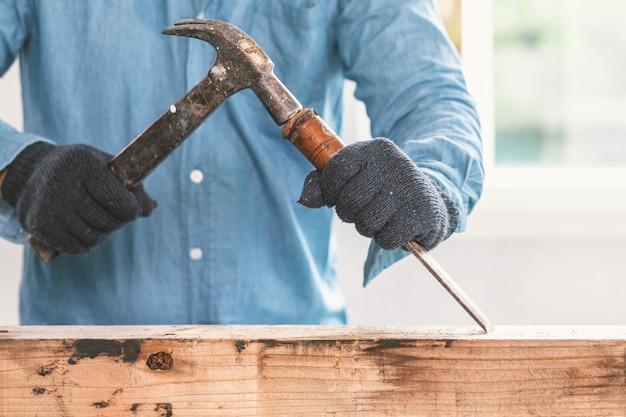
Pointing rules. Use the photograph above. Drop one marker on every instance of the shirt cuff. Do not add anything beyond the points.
(379, 259)
(13, 142)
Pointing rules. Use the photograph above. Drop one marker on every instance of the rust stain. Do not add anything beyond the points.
(378, 366)
(128, 350)
(47, 369)
(164, 409)
(105, 404)
(240, 345)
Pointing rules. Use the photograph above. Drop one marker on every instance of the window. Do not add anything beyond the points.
(559, 84)
(547, 76)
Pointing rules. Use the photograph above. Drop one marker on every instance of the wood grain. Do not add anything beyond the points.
(312, 371)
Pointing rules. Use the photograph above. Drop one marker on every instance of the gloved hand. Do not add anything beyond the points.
(375, 185)
(66, 197)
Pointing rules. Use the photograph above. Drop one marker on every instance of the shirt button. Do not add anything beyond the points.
(196, 176)
(195, 254)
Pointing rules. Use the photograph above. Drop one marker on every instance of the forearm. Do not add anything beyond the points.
(420, 101)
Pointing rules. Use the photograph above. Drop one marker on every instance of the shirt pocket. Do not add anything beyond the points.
(291, 21)
(297, 9)
(295, 35)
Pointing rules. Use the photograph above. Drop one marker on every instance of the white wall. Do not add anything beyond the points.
(530, 256)
(10, 254)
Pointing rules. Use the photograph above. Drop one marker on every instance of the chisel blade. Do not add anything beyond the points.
(450, 285)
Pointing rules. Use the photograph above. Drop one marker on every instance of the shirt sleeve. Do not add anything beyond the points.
(13, 35)
(409, 76)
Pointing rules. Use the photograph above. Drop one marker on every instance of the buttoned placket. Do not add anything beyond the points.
(203, 222)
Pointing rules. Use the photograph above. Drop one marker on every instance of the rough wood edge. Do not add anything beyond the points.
(305, 332)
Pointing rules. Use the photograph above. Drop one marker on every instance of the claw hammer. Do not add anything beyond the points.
(240, 63)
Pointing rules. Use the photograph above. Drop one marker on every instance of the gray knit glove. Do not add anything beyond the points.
(67, 198)
(375, 185)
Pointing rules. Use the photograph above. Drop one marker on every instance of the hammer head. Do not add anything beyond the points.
(240, 64)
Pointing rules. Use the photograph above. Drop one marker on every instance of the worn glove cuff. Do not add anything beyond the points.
(453, 212)
(21, 169)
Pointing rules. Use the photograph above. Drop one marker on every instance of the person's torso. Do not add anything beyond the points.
(228, 243)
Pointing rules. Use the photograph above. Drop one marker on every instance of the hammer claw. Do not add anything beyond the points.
(241, 63)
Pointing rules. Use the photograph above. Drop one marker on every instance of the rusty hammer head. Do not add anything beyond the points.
(240, 64)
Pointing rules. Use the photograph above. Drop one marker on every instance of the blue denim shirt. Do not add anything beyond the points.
(228, 242)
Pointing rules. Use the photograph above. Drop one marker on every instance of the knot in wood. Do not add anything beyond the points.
(160, 361)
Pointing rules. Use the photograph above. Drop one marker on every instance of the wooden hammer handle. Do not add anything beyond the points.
(313, 137)
(46, 253)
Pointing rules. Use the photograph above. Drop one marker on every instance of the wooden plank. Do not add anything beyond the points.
(312, 371)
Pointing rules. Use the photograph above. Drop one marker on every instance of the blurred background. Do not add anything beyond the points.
(547, 242)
